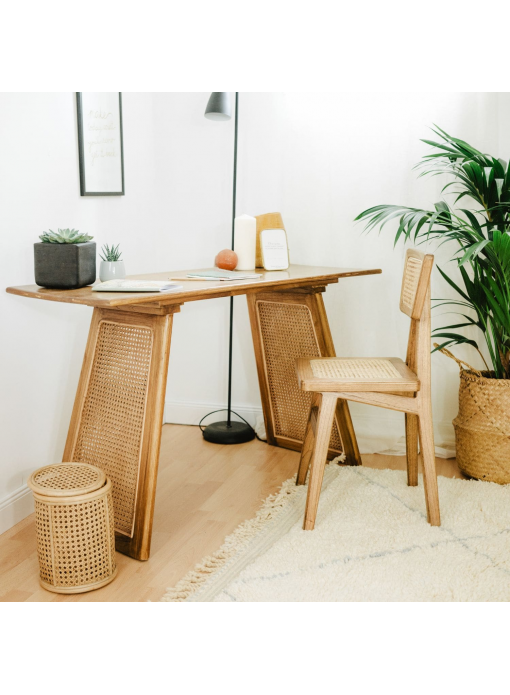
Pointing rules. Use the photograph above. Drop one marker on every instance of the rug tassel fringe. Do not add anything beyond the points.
(273, 504)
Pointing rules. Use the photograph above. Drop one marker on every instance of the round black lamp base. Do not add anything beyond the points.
(223, 433)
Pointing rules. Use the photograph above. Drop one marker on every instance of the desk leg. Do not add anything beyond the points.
(287, 325)
(118, 414)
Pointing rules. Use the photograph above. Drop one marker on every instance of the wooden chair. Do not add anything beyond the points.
(385, 382)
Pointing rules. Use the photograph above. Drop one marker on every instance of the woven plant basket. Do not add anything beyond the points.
(482, 427)
(75, 527)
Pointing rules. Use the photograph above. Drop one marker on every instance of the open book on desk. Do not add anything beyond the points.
(137, 286)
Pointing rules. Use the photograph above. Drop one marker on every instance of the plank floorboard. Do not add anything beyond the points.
(204, 492)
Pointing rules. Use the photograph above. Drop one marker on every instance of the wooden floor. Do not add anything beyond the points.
(204, 492)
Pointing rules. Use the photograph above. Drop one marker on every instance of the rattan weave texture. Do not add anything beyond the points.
(65, 479)
(344, 368)
(410, 281)
(482, 427)
(111, 425)
(75, 533)
(287, 333)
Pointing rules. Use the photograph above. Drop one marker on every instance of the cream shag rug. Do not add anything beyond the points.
(371, 543)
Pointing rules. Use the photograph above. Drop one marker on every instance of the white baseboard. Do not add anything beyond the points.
(375, 432)
(15, 507)
(20, 503)
(179, 413)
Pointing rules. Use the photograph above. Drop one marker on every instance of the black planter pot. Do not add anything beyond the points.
(65, 266)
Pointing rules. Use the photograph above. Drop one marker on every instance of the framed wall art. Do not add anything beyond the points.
(100, 143)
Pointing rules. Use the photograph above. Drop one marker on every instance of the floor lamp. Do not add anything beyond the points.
(227, 431)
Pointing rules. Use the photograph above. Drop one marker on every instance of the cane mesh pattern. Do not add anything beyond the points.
(44, 541)
(412, 272)
(288, 333)
(76, 542)
(68, 476)
(111, 426)
(354, 369)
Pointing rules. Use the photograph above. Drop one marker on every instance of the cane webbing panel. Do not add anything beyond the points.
(63, 479)
(287, 333)
(76, 542)
(412, 272)
(111, 425)
(341, 368)
(44, 541)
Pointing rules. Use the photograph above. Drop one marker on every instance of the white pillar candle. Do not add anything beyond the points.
(245, 239)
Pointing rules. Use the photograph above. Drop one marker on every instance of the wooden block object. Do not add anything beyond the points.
(271, 220)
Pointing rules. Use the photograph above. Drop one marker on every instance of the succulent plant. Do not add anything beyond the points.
(65, 236)
(111, 253)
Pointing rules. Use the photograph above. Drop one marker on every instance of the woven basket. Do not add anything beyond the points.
(482, 427)
(75, 529)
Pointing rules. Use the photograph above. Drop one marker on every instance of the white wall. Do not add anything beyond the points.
(318, 158)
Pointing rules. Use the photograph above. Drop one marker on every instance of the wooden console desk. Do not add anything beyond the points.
(118, 411)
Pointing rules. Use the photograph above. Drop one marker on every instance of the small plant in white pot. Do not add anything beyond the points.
(111, 267)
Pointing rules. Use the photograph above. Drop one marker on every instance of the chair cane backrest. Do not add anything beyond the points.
(415, 282)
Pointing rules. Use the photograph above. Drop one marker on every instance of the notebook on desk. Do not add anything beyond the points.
(137, 286)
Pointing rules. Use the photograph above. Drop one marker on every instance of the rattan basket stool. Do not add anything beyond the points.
(75, 529)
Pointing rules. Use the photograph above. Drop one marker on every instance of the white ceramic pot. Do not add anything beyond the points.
(111, 270)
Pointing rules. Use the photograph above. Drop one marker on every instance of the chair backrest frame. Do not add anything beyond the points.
(415, 302)
(415, 281)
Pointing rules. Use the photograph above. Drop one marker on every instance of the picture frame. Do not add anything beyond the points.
(100, 143)
(274, 249)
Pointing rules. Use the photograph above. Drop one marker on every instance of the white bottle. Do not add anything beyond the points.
(245, 239)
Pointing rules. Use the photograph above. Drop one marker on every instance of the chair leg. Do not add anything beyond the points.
(309, 440)
(429, 466)
(347, 434)
(320, 451)
(412, 448)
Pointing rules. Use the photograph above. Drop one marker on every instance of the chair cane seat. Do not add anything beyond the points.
(382, 374)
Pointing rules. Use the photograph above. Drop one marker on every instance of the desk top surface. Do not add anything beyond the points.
(192, 290)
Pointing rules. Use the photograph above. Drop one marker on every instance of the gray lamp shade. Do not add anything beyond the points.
(218, 107)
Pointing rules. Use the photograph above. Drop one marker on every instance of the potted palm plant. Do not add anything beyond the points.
(481, 239)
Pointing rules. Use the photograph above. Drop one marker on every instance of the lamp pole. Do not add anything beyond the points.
(229, 406)
(229, 431)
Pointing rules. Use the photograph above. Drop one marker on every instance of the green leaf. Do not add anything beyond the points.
(473, 250)
(452, 284)
(455, 339)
